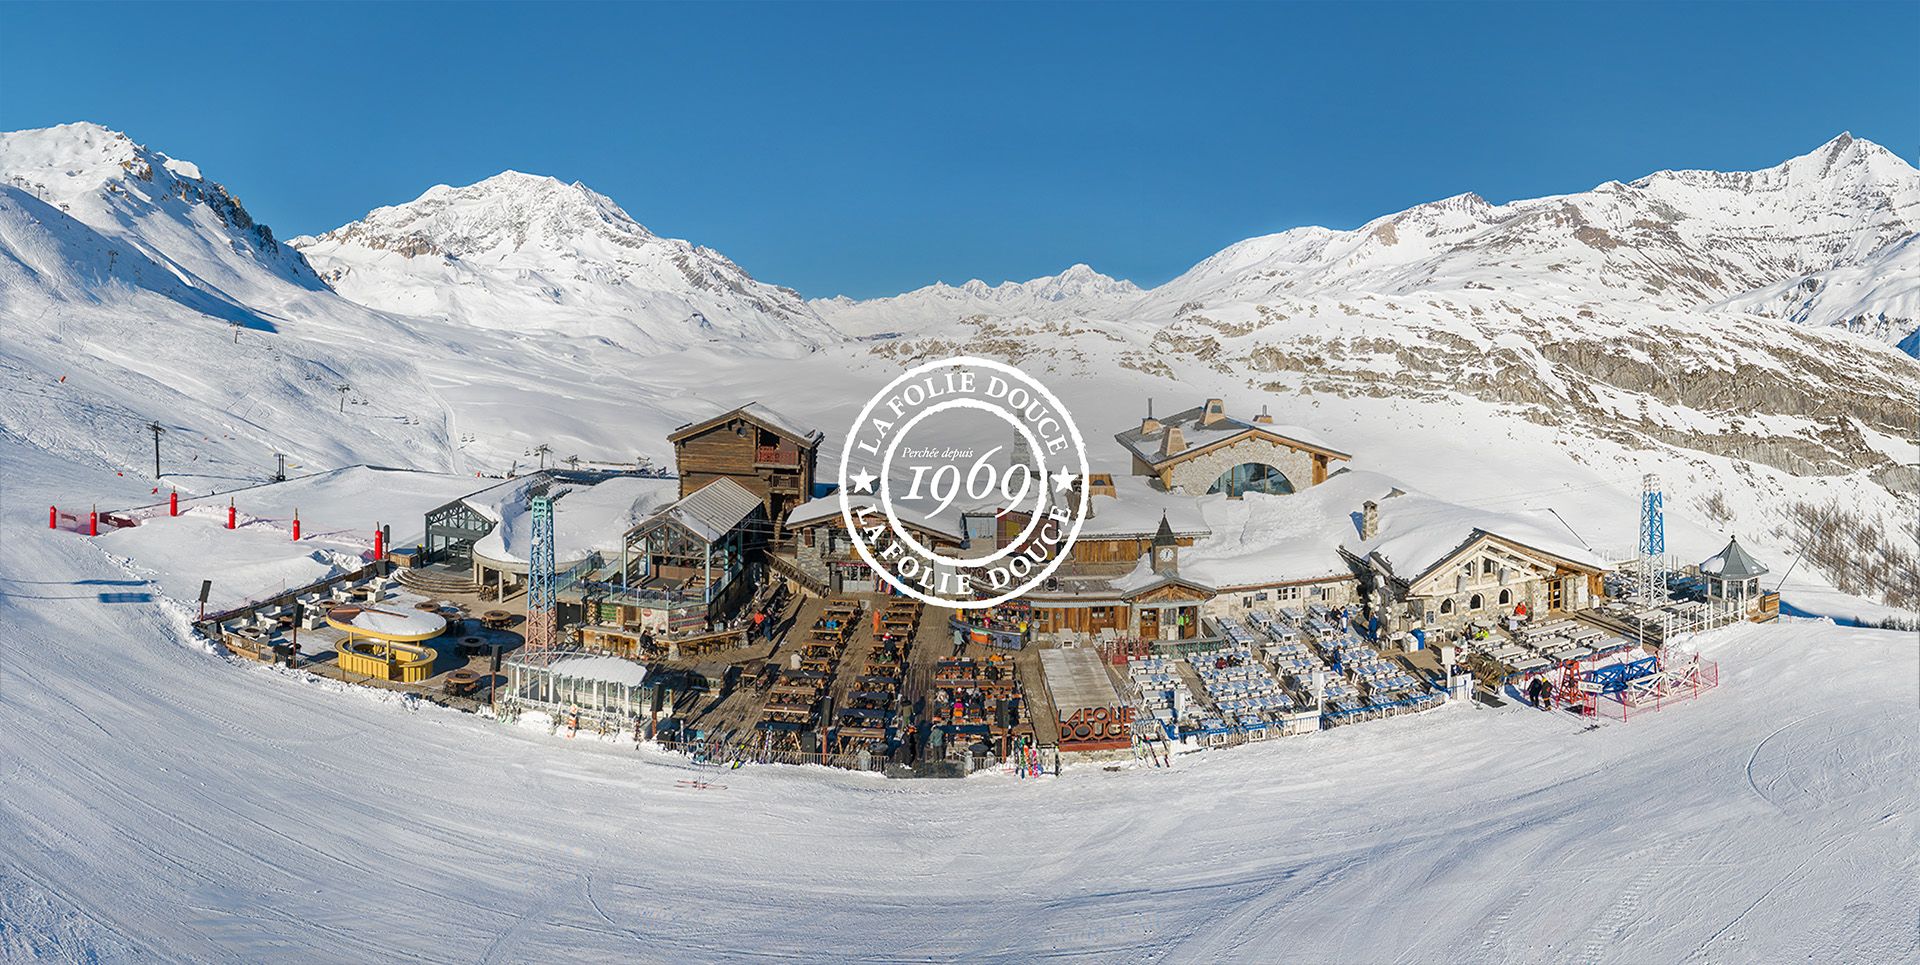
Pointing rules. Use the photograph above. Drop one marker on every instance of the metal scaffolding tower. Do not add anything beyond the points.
(541, 629)
(1653, 542)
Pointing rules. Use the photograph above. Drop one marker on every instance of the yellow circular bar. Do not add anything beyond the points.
(398, 662)
(393, 626)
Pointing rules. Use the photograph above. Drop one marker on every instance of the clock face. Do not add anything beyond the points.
(1166, 555)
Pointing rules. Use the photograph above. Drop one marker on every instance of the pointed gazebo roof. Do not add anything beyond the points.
(1733, 563)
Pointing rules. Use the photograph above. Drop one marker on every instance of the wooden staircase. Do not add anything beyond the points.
(436, 583)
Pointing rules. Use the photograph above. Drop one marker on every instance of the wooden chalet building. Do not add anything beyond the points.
(764, 452)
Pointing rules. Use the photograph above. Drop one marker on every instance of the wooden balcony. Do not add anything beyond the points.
(776, 456)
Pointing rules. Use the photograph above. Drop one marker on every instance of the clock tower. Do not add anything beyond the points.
(1166, 550)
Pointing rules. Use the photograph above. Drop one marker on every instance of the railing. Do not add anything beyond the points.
(717, 751)
(791, 570)
(776, 456)
(602, 591)
(285, 596)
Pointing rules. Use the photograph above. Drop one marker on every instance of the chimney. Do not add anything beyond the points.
(1174, 442)
(1263, 418)
(1369, 519)
(1149, 425)
(1216, 410)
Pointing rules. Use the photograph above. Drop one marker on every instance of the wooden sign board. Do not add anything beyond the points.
(1097, 729)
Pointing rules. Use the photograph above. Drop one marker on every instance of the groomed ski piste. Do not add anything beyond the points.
(164, 802)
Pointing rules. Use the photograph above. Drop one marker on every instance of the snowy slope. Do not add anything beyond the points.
(166, 804)
(1077, 291)
(171, 229)
(1745, 415)
(1878, 297)
(518, 252)
(133, 290)
(1674, 239)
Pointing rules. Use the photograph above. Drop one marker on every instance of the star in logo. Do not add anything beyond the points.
(863, 481)
(1062, 480)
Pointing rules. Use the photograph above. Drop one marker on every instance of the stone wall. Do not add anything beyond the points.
(1533, 592)
(1198, 473)
(1334, 591)
(812, 560)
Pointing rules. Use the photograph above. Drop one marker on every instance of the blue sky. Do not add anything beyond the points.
(872, 148)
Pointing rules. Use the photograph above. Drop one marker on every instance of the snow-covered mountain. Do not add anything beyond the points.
(523, 253)
(135, 218)
(135, 290)
(1077, 291)
(1674, 239)
(1878, 297)
(1476, 349)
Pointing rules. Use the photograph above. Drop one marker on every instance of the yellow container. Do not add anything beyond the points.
(397, 662)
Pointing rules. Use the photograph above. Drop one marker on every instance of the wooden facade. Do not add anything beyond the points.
(763, 454)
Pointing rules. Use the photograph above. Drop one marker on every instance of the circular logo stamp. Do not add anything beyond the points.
(958, 483)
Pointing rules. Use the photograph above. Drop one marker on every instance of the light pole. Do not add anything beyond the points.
(343, 390)
(156, 428)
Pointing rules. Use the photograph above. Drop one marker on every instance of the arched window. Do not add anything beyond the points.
(1475, 602)
(1506, 597)
(1251, 477)
(1446, 606)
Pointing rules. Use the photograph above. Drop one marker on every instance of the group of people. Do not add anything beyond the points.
(967, 703)
(1540, 693)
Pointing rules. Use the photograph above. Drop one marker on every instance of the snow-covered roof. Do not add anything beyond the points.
(758, 412)
(713, 510)
(585, 518)
(1733, 563)
(1196, 433)
(1419, 532)
(388, 624)
(950, 524)
(1262, 539)
(589, 667)
(1136, 508)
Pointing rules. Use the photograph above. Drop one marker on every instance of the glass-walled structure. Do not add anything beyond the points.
(601, 688)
